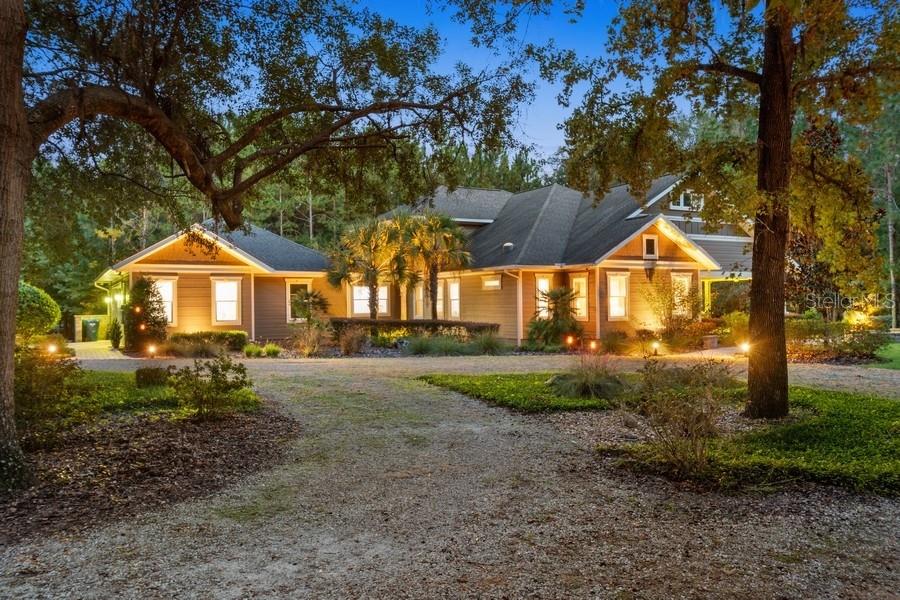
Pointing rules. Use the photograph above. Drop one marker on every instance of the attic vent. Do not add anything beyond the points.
(508, 246)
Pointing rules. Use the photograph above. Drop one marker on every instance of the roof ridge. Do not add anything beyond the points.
(537, 220)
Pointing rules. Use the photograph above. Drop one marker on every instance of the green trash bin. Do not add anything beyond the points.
(89, 330)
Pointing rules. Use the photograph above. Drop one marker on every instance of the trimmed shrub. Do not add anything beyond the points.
(437, 346)
(462, 330)
(151, 376)
(212, 388)
(233, 340)
(144, 317)
(115, 334)
(352, 340)
(36, 312)
(198, 349)
(271, 350)
(253, 350)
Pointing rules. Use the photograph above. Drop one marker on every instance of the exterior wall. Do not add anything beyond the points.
(271, 304)
(634, 249)
(732, 256)
(488, 306)
(181, 252)
(640, 311)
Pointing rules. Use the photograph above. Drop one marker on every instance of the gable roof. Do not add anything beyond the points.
(257, 247)
(464, 204)
(557, 225)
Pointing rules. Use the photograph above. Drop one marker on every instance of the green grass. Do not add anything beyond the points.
(890, 354)
(526, 392)
(101, 391)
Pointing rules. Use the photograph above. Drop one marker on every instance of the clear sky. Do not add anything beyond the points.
(539, 121)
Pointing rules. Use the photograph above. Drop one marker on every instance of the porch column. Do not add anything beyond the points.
(404, 299)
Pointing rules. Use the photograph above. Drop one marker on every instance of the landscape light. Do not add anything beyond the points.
(142, 327)
(570, 340)
(655, 346)
(137, 309)
(593, 344)
(151, 349)
(745, 347)
(52, 348)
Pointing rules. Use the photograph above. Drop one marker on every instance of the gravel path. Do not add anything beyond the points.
(398, 489)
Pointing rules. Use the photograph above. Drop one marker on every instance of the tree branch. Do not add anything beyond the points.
(718, 66)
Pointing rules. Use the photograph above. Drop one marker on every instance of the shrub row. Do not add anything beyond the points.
(232, 340)
(462, 330)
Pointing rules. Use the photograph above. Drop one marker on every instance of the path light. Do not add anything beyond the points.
(137, 309)
(51, 349)
(151, 349)
(655, 346)
(593, 344)
(745, 347)
(142, 327)
(570, 340)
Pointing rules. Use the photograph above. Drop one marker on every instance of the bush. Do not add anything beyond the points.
(488, 343)
(462, 330)
(437, 346)
(389, 338)
(813, 338)
(151, 376)
(613, 342)
(195, 349)
(559, 322)
(737, 328)
(212, 388)
(308, 338)
(36, 312)
(253, 350)
(144, 317)
(115, 334)
(590, 377)
(729, 297)
(233, 340)
(272, 350)
(42, 384)
(352, 340)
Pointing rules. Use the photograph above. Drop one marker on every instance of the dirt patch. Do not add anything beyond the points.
(128, 464)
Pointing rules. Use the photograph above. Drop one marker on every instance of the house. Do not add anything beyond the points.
(609, 253)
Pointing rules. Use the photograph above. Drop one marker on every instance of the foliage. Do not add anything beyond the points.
(613, 341)
(559, 321)
(489, 343)
(729, 297)
(309, 305)
(525, 392)
(233, 340)
(198, 348)
(813, 338)
(737, 326)
(212, 388)
(42, 385)
(438, 345)
(352, 338)
(36, 313)
(308, 339)
(497, 169)
(889, 356)
(150, 376)
(271, 350)
(673, 308)
(253, 350)
(589, 377)
(310, 334)
(462, 330)
(143, 316)
(115, 334)
(389, 338)
(433, 243)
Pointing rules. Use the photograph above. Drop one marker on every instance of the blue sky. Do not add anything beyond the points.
(538, 125)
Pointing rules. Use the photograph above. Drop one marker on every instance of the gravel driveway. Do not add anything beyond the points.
(397, 489)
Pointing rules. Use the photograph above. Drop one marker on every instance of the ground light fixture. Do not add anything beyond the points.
(142, 327)
(655, 346)
(745, 347)
(570, 340)
(51, 349)
(151, 349)
(593, 345)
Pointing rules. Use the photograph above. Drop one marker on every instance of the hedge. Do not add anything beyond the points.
(462, 330)
(233, 340)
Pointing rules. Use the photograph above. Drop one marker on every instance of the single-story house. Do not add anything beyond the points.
(609, 253)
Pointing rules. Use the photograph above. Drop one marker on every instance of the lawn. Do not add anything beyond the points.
(891, 355)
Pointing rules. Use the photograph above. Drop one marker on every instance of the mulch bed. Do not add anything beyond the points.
(125, 465)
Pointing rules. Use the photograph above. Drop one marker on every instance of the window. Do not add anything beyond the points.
(419, 308)
(651, 246)
(617, 292)
(542, 304)
(361, 300)
(293, 287)
(167, 290)
(226, 298)
(440, 300)
(453, 292)
(580, 289)
(491, 282)
(687, 200)
(681, 292)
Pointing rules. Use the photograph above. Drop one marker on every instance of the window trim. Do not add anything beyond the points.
(487, 282)
(287, 297)
(419, 301)
(680, 204)
(174, 280)
(678, 310)
(655, 238)
(458, 283)
(238, 308)
(627, 276)
(542, 312)
(387, 300)
(587, 304)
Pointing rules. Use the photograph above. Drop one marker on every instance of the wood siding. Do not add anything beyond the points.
(487, 306)
(640, 288)
(634, 249)
(180, 252)
(271, 304)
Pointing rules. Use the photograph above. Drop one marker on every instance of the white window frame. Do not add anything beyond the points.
(541, 305)
(440, 300)
(287, 296)
(679, 203)
(682, 308)
(655, 238)
(492, 282)
(610, 275)
(454, 314)
(174, 320)
(238, 308)
(384, 300)
(580, 296)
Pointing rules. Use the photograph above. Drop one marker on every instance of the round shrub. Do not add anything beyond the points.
(36, 312)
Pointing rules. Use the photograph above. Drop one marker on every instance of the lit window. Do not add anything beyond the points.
(226, 301)
(681, 292)
(542, 284)
(491, 282)
(361, 300)
(440, 300)
(293, 289)
(579, 289)
(617, 292)
(453, 292)
(651, 246)
(687, 200)
(166, 289)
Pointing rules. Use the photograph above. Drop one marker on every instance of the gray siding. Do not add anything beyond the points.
(733, 256)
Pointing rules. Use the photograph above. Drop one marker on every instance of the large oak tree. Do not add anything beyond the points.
(231, 91)
(790, 66)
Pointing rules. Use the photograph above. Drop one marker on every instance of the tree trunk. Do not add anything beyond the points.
(373, 300)
(767, 372)
(433, 291)
(889, 196)
(15, 171)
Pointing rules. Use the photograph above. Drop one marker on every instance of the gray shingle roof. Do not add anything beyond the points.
(461, 203)
(271, 249)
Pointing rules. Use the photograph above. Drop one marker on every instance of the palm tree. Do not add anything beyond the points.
(370, 253)
(435, 243)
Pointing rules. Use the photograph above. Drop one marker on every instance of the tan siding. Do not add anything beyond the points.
(634, 249)
(271, 305)
(489, 306)
(640, 311)
(180, 252)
